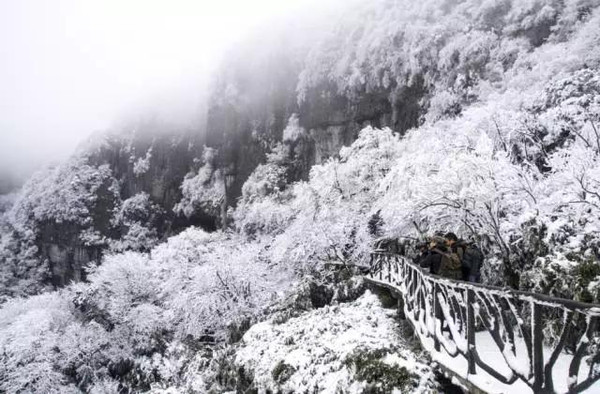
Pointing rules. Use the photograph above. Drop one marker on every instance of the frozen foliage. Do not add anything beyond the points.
(508, 154)
(319, 351)
(446, 47)
(330, 210)
(33, 330)
(138, 317)
(6, 202)
(142, 164)
(204, 190)
(136, 217)
(66, 193)
(262, 206)
(293, 130)
(515, 168)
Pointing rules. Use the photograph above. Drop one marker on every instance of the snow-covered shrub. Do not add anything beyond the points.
(263, 206)
(73, 194)
(142, 164)
(137, 218)
(31, 341)
(6, 202)
(204, 190)
(66, 193)
(293, 130)
(335, 357)
(21, 271)
(139, 317)
(370, 367)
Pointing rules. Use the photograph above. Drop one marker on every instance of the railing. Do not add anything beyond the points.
(453, 314)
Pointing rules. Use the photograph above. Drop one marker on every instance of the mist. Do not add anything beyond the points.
(71, 68)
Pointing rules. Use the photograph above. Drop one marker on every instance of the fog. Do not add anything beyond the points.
(69, 67)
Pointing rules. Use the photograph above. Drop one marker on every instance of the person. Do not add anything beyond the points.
(444, 257)
(436, 258)
(469, 255)
(456, 248)
(472, 261)
(450, 264)
(422, 249)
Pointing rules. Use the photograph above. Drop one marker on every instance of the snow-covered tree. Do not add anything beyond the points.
(203, 190)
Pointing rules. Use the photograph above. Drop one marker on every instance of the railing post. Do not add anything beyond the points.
(401, 307)
(471, 331)
(389, 269)
(421, 292)
(437, 316)
(537, 346)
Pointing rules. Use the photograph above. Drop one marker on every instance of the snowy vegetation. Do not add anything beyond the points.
(142, 164)
(136, 217)
(203, 190)
(507, 154)
(136, 316)
(64, 196)
(332, 349)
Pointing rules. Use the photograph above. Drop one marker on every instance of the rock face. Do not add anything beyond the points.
(148, 163)
(249, 109)
(155, 162)
(60, 246)
(246, 126)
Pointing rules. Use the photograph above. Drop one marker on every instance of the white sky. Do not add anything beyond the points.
(69, 67)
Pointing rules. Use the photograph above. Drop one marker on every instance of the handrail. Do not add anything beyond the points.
(452, 312)
(572, 304)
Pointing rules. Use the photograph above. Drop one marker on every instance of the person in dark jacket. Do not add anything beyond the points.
(468, 254)
(451, 265)
(456, 249)
(432, 258)
(472, 261)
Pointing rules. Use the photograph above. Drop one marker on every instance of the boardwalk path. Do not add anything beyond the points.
(492, 339)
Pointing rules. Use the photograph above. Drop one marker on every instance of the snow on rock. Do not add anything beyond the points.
(142, 164)
(315, 351)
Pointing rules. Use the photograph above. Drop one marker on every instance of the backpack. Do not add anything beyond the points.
(472, 259)
(450, 267)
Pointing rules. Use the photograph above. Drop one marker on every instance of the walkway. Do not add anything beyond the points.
(498, 340)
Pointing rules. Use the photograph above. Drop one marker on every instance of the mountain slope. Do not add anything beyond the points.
(494, 115)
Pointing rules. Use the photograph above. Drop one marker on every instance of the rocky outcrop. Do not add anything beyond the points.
(245, 125)
(60, 246)
(251, 104)
(242, 131)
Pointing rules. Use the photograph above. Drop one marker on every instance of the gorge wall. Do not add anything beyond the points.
(310, 92)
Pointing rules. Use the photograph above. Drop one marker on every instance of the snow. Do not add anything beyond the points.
(506, 362)
(317, 343)
(293, 130)
(490, 353)
(204, 190)
(488, 158)
(142, 164)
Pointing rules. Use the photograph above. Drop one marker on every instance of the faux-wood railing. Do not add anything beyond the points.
(451, 312)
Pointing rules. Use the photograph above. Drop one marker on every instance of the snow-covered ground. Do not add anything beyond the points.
(310, 353)
(490, 354)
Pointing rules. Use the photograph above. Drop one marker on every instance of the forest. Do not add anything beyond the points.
(163, 263)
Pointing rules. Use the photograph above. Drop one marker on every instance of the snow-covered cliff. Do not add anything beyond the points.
(403, 119)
